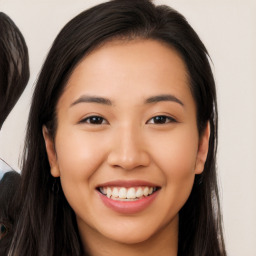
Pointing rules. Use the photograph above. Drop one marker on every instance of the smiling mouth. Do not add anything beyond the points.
(127, 194)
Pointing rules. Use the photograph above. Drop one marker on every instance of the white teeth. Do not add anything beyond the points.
(145, 191)
(127, 193)
(139, 192)
(109, 192)
(131, 193)
(122, 193)
(115, 192)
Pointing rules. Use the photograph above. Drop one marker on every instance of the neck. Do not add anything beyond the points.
(163, 243)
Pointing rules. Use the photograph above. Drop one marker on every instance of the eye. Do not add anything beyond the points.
(3, 231)
(95, 120)
(162, 119)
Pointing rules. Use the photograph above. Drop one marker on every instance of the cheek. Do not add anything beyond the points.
(78, 154)
(175, 155)
(176, 152)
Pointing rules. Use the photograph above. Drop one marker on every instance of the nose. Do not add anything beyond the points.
(129, 150)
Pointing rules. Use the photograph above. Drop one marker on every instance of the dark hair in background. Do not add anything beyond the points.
(14, 65)
(9, 209)
(47, 223)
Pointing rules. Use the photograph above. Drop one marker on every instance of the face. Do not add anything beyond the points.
(127, 146)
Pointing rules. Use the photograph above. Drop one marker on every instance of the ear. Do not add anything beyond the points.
(203, 147)
(51, 153)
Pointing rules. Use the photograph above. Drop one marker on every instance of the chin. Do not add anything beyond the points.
(130, 238)
(131, 232)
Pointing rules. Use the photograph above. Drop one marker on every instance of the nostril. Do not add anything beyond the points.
(128, 160)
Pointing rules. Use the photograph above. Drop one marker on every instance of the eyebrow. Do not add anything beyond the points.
(92, 99)
(163, 97)
(105, 101)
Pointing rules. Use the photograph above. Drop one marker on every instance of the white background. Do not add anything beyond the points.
(228, 29)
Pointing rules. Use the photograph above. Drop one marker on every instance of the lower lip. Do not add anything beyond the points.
(128, 207)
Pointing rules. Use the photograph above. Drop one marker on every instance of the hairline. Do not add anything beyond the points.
(122, 39)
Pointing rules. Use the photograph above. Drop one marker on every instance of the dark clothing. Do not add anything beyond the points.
(9, 205)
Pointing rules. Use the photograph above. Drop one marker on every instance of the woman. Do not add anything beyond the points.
(14, 75)
(121, 141)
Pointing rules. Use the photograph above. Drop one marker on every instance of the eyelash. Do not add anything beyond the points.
(94, 120)
(161, 119)
(99, 120)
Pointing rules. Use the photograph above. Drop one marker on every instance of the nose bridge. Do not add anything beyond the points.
(128, 151)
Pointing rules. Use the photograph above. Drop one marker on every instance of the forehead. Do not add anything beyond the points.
(125, 68)
(134, 54)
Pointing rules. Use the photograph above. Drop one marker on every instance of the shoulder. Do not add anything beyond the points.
(9, 206)
(4, 168)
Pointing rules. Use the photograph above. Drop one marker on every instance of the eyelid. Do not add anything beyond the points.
(85, 119)
(168, 117)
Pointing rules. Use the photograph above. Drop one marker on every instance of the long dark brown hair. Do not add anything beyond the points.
(47, 224)
(14, 65)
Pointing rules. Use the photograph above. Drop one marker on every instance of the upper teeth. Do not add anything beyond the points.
(127, 193)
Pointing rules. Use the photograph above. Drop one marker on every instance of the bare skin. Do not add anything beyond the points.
(127, 118)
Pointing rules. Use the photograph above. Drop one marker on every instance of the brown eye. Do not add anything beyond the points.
(3, 231)
(161, 120)
(94, 120)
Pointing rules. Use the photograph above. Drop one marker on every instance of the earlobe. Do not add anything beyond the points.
(203, 148)
(51, 153)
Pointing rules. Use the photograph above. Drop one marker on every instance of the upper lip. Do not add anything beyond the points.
(127, 183)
